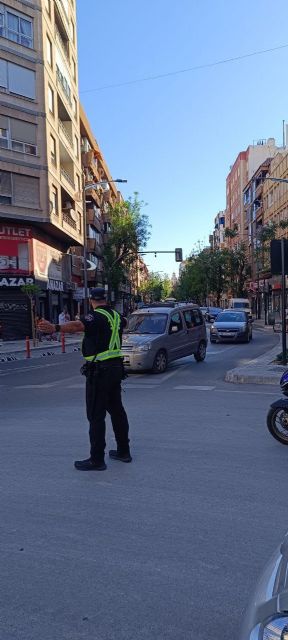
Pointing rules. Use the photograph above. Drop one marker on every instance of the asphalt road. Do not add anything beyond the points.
(167, 547)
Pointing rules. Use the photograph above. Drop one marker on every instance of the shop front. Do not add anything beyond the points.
(26, 257)
(16, 270)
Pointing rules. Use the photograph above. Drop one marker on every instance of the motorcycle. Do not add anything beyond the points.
(277, 417)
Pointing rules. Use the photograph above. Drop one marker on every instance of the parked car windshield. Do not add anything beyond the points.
(147, 323)
(228, 316)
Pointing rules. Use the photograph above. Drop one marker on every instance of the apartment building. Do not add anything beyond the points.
(218, 237)
(40, 161)
(97, 200)
(245, 165)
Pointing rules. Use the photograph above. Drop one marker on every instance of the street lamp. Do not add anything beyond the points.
(86, 187)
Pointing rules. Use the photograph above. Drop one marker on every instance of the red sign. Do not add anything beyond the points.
(15, 256)
(8, 232)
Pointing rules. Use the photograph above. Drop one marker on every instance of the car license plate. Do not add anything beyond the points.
(228, 334)
(126, 360)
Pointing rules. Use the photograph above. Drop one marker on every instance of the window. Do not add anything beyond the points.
(48, 7)
(54, 200)
(5, 187)
(49, 51)
(76, 146)
(16, 27)
(176, 321)
(75, 107)
(53, 149)
(50, 99)
(17, 79)
(189, 319)
(198, 319)
(73, 32)
(25, 190)
(74, 69)
(18, 135)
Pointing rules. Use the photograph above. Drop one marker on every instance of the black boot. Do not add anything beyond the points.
(120, 455)
(90, 465)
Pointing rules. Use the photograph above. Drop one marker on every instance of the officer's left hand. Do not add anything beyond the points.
(46, 327)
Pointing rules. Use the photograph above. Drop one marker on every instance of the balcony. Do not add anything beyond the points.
(90, 161)
(64, 133)
(63, 84)
(62, 15)
(67, 178)
(69, 221)
(64, 44)
(93, 219)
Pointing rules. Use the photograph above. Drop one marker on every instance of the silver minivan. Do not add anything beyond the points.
(158, 334)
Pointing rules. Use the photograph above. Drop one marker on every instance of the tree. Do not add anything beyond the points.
(130, 231)
(31, 291)
(156, 287)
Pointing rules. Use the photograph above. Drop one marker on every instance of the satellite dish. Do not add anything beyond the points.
(73, 215)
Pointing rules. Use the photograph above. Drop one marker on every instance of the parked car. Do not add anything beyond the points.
(240, 304)
(266, 617)
(231, 326)
(159, 334)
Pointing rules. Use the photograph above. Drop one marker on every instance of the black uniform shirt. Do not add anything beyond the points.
(97, 334)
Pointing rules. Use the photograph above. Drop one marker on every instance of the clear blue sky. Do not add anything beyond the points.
(174, 138)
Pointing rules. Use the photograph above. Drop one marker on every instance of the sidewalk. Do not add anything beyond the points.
(262, 370)
(16, 349)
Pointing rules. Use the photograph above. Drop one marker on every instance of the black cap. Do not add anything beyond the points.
(98, 293)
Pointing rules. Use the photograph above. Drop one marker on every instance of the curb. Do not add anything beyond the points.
(254, 372)
(38, 353)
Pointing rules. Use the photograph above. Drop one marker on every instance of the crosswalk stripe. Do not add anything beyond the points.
(185, 387)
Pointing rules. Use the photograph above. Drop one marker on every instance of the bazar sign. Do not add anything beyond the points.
(55, 285)
(15, 282)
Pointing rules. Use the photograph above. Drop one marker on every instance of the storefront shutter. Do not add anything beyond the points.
(23, 131)
(25, 191)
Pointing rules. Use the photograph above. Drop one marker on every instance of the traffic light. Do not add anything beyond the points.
(178, 255)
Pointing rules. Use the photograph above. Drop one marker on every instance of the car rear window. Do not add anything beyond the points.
(231, 317)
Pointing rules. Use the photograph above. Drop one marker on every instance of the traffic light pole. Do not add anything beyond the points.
(177, 253)
(284, 341)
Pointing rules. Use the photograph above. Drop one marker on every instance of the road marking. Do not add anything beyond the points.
(184, 387)
(139, 386)
(45, 385)
(31, 368)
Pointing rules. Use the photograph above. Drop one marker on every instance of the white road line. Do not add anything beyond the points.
(31, 368)
(45, 385)
(184, 387)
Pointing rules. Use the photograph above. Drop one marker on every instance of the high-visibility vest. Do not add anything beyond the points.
(114, 349)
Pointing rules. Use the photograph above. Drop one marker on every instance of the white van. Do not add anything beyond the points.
(242, 304)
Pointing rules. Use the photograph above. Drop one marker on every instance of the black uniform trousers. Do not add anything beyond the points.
(103, 393)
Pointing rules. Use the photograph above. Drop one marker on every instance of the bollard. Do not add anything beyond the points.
(63, 342)
(28, 349)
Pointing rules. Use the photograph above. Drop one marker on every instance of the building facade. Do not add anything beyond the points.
(218, 237)
(40, 162)
(244, 167)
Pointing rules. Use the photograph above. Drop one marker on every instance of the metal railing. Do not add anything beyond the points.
(64, 85)
(59, 39)
(65, 132)
(67, 177)
(69, 221)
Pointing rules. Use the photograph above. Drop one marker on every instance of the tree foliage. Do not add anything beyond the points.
(212, 273)
(130, 231)
(157, 287)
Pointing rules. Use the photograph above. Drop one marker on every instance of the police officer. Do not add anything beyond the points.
(103, 369)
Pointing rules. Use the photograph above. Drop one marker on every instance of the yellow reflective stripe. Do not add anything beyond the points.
(114, 349)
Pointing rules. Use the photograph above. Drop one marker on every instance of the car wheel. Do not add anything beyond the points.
(160, 362)
(200, 355)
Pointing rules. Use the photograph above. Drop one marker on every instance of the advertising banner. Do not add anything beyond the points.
(15, 250)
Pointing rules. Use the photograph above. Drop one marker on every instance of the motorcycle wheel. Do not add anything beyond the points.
(277, 423)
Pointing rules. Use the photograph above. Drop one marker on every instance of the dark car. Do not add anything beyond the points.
(212, 313)
(231, 326)
(266, 617)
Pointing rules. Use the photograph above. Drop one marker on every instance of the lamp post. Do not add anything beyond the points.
(86, 187)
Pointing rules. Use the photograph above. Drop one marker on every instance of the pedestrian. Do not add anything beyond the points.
(104, 373)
